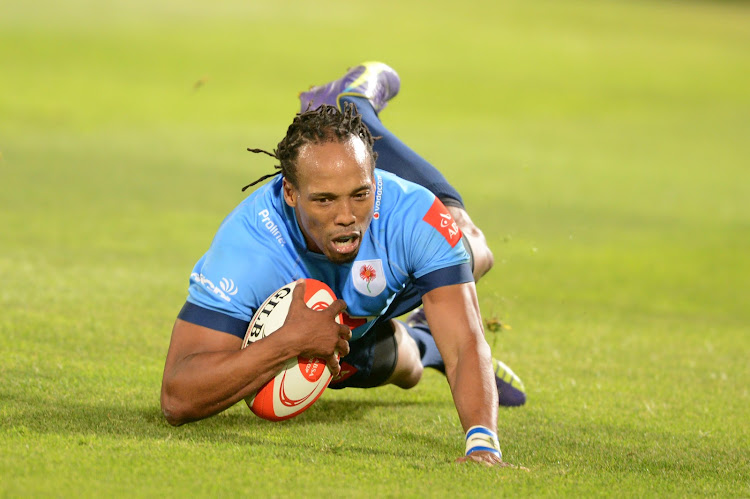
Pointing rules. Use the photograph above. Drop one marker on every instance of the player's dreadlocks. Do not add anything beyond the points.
(324, 124)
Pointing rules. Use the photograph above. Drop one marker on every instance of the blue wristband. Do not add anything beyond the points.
(480, 438)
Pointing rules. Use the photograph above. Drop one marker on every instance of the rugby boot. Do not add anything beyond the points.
(510, 389)
(375, 81)
(417, 318)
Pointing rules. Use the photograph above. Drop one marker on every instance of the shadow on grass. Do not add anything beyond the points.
(317, 431)
(68, 418)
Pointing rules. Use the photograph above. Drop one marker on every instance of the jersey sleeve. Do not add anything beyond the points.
(436, 254)
(232, 279)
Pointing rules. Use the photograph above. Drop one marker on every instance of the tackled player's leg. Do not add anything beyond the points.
(385, 355)
(408, 369)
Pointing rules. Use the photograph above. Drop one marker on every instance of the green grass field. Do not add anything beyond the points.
(602, 146)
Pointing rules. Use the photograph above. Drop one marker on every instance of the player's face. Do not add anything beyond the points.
(335, 197)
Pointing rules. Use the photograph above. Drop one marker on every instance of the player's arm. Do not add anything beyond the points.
(206, 372)
(456, 324)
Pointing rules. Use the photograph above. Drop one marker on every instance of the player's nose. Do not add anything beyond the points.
(345, 214)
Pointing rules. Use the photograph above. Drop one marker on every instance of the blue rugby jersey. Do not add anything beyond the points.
(411, 246)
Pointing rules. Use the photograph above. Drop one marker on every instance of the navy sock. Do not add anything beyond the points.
(396, 157)
(428, 350)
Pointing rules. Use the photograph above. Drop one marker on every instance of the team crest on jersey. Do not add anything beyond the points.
(368, 277)
(439, 217)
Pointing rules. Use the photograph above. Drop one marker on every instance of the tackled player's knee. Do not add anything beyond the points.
(482, 258)
(408, 370)
(409, 379)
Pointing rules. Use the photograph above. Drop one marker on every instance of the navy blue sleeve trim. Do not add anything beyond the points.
(457, 274)
(213, 320)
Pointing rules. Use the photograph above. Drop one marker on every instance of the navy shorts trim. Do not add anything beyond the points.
(447, 200)
(213, 320)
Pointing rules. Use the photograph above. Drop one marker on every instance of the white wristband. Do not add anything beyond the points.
(479, 438)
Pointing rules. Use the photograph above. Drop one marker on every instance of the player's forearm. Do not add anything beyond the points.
(207, 383)
(473, 386)
(456, 324)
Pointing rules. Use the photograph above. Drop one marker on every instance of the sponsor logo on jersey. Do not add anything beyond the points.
(224, 290)
(271, 226)
(378, 197)
(347, 371)
(439, 217)
(227, 285)
(368, 277)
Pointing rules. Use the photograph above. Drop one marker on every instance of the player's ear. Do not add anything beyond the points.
(290, 193)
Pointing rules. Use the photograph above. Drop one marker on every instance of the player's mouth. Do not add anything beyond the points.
(345, 243)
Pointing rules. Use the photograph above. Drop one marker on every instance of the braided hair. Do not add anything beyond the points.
(318, 126)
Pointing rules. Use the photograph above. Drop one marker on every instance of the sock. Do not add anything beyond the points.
(396, 157)
(428, 350)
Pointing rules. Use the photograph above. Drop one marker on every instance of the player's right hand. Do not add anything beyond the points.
(315, 333)
(488, 459)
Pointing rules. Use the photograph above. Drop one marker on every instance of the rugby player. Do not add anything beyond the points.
(354, 207)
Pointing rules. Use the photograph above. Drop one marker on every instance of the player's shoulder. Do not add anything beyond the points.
(257, 217)
(397, 185)
(417, 211)
(395, 193)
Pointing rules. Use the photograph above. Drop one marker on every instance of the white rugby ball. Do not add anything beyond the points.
(301, 381)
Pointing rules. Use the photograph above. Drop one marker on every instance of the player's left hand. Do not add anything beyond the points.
(488, 459)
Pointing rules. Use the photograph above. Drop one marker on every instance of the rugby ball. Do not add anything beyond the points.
(301, 381)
